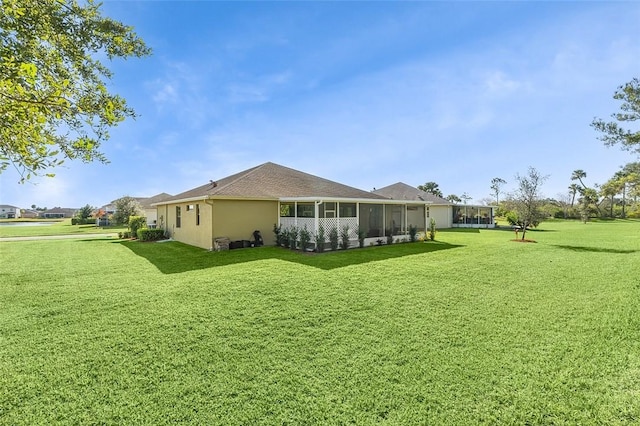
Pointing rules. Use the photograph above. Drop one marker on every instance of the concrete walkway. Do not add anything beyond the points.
(59, 237)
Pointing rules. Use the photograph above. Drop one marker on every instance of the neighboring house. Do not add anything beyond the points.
(58, 213)
(9, 212)
(149, 210)
(437, 208)
(445, 213)
(29, 214)
(257, 198)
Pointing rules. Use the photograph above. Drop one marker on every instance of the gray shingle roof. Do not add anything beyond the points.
(273, 181)
(402, 191)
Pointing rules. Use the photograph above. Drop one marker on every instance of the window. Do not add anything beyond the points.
(347, 209)
(178, 216)
(189, 207)
(306, 210)
(197, 214)
(287, 210)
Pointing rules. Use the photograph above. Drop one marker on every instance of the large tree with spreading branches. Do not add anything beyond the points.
(613, 132)
(54, 102)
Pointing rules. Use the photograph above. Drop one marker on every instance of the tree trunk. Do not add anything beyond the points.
(524, 229)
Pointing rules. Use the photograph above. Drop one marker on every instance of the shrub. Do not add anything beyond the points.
(333, 239)
(362, 234)
(432, 229)
(277, 230)
(320, 239)
(286, 241)
(413, 231)
(137, 222)
(389, 238)
(344, 237)
(293, 237)
(146, 234)
(305, 237)
(124, 234)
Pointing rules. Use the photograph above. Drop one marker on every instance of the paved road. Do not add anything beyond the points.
(59, 237)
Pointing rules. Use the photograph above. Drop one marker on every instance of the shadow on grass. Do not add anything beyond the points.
(174, 257)
(595, 249)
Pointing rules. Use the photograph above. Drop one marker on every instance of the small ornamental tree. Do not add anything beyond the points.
(305, 237)
(124, 208)
(528, 199)
(135, 223)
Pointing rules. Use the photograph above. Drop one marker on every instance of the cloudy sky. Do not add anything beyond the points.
(363, 93)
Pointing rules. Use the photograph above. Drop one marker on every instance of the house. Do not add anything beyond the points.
(9, 212)
(29, 214)
(268, 194)
(149, 209)
(445, 213)
(58, 213)
(437, 208)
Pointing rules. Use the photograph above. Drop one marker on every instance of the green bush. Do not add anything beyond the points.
(293, 237)
(277, 230)
(137, 222)
(344, 237)
(413, 231)
(333, 239)
(362, 234)
(305, 237)
(146, 234)
(432, 229)
(320, 239)
(124, 234)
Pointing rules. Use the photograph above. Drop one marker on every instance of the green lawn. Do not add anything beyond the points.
(471, 329)
(57, 227)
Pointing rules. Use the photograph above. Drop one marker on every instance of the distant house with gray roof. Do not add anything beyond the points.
(9, 212)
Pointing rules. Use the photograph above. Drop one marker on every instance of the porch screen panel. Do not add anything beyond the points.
(371, 219)
(394, 218)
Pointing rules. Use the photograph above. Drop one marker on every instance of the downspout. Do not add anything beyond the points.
(316, 219)
(206, 201)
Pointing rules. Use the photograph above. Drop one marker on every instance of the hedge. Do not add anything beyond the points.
(147, 234)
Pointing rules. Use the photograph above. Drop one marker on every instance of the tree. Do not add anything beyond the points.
(432, 188)
(609, 190)
(54, 103)
(578, 175)
(125, 207)
(573, 190)
(629, 179)
(465, 197)
(453, 198)
(528, 198)
(611, 132)
(496, 185)
(85, 212)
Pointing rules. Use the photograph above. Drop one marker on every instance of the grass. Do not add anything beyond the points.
(57, 227)
(471, 329)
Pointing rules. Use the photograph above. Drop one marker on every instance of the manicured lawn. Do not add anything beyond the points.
(57, 227)
(471, 329)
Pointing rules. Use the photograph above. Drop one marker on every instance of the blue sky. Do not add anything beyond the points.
(363, 93)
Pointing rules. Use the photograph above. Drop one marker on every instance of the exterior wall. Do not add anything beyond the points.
(234, 219)
(152, 216)
(237, 219)
(189, 231)
(442, 216)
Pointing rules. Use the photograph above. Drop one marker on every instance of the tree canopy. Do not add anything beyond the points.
(432, 188)
(612, 132)
(54, 103)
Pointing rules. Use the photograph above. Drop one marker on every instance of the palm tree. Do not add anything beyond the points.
(578, 175)
(573, 190)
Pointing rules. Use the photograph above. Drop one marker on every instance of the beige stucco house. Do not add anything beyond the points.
(256, 199)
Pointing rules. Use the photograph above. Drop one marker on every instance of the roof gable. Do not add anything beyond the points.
(402, 191)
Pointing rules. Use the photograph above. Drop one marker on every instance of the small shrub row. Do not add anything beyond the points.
(147, 234)
(124, 234)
